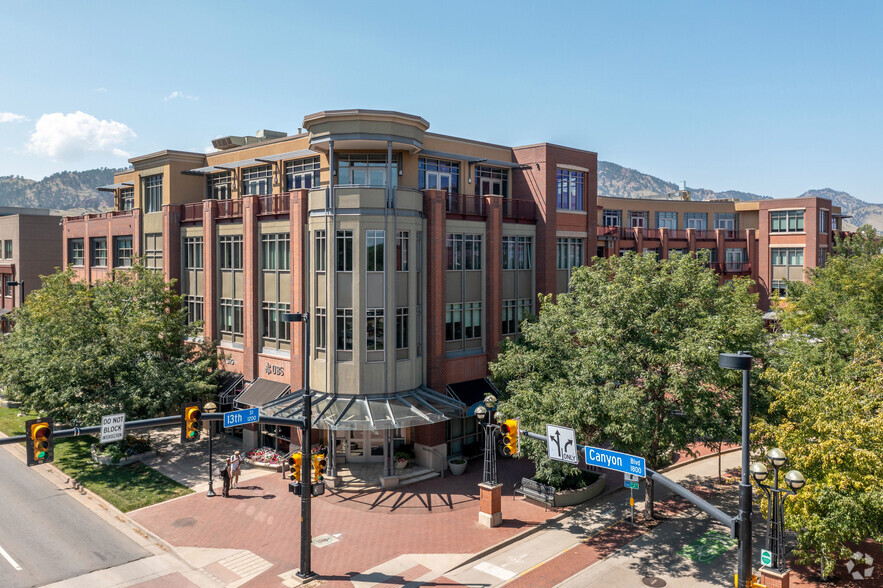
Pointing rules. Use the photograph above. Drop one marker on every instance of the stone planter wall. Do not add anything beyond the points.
(571, 497)
(273, 467)
(107, 460)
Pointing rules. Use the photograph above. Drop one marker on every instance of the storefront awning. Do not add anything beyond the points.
(370, 412)
(262, 391)
(112, 187)
(473, 392)
(288, 155)
(5, 311)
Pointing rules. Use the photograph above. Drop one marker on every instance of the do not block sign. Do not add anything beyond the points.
(113, 427)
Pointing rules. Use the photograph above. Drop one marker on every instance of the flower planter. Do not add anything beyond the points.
(400, 464)
(107, 460)
(572, 497)
(273, 467)
(457, 467)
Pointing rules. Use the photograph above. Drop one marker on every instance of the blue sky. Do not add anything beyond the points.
(771, 98)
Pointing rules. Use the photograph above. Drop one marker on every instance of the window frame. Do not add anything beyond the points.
(257, 180)
(76, 251)
(570, 189)
(94, 250)
(152, 187)
(118, 258)
(375, 246)
(304, 171)
(344, 250)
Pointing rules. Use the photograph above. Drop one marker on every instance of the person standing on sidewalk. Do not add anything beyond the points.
(234, 462)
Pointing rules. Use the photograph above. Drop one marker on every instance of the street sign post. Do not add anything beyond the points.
(113, 427)
(241, 417)
(632, 485)
(561, 444)
(613, 460)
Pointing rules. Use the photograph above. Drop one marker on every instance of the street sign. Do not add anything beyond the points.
(613, 460)
(632, 478)
(766, 557)
(241, 417)
(561, 444)
(632, 485)
(113, 427)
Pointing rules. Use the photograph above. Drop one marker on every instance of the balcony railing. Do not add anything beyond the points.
(703, 234)
(129, 212)
(229, 208)
(677, 235)
(519, 209)
(607, 232)
(274, 204)
(652, 234)
(731, 234)
(735, 267)
(465, 204)
(191, 212)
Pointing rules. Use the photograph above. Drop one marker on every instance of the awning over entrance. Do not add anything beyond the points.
(473, 392)
(262, 391)
(370, 412)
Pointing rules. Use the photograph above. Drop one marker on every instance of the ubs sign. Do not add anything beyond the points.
(274, 370)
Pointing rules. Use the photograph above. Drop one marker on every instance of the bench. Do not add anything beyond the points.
(536, 491)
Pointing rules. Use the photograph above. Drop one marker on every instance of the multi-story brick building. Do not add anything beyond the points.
(30, 246)
(415, 254)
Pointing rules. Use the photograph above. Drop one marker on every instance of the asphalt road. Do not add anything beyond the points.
(47, 536)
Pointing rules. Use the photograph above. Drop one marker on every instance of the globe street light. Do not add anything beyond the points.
(776, 496)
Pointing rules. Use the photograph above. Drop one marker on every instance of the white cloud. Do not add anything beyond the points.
(177, 94)
(70, 137)
(101, 89)
(6, 117)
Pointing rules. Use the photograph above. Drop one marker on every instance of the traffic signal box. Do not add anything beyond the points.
(39, 441)
(509, 430)
(294, 463)
(191, 415)
(319, 464)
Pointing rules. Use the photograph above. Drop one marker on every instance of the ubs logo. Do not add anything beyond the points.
(274, 370)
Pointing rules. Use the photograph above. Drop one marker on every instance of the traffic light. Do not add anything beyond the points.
(191, 414)
(319, 467)
(294, 463)
(39, 441)
(509, 429)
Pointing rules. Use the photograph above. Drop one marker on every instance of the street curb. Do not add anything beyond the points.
(549, 522)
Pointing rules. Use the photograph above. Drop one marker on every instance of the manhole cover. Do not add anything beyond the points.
(187, 522)
(324, 540)
(654, 581)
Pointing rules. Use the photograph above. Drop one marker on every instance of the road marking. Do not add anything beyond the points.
(10, 560)
(496, 571)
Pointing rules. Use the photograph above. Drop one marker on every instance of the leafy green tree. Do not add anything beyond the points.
(83, 351)
(831, 429)
(629, 357)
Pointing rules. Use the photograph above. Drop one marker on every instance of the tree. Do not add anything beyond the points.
(629, 357)
(83, 351)
(831, 429)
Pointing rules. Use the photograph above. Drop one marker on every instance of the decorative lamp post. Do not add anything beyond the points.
(775, 529)
(210, 407)
(490, 437)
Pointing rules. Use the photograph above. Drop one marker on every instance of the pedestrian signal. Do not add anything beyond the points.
(39, 441)
(319, 464)
(509, 430)
(191, 414)
(294, 464)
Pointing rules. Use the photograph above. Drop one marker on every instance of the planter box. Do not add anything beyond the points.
(571, 497)
(106, 459)
(457, 468)
(273, 467)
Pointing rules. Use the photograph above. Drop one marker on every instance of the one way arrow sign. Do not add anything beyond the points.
(561, 444)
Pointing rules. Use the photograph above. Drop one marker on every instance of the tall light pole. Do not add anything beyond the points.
(210, 407)
(742, 361)
(490, 436)
(775, 529)
(306, 538)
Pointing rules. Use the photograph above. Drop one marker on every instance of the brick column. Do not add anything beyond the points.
(300, 265)
(171, 243)
(721, 244)
(639, 240)
(774, 578)
(490, 513)
(494, 276)
(251, 299)
(691, 241)
(663, 243)
(751, 252)
(210, 269)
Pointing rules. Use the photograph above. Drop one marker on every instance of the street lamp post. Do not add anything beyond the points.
(21, 297)
(210, 407)
(775, 529)
(742, 361)
(490, 437)
(306, 538)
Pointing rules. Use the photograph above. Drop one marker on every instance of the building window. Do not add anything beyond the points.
(570, 190)
(464, 251)
(192, 253)
(517, 252)
(7, 290)
(153, 193)
(374, 330)
(726, 220)
(463, 436)
(696, 220)
(275, 330)
(779, 287)
(734, 259)
(153, 251)
(122, 252)
(491, 180)
(230, 254)
(344, 329)
(436, 174)
(463, 321)
(510, 320)
(127, 199)
(823, 257)
(7, 249)
(99, 251)
(823, 221)
(786, 221)
(570, 252)
(611, 218)
(76, 250)
(257, 181)
(787, 256)
(454, 321)
(402, 328)
(667, 220)
(321, 333)
(321, 252)
(231, 316)
(639, 219)
(219, 186)
(302, 174)
(402, 251)
(365, 169)
(472, 320)
(345, 250)
(374, 249)
(194, 308)
(275, 252)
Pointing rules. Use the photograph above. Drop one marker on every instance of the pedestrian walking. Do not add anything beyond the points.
(234, 462)
(225, 475)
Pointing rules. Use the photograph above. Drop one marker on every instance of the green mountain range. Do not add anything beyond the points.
(73, 192)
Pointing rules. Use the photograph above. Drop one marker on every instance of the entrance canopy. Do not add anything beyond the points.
(369, 412)
(261, 391)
